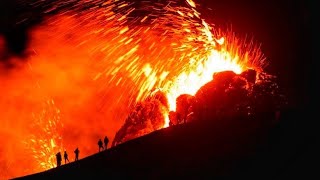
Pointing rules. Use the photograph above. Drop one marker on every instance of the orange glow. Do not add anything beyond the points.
(95, 65)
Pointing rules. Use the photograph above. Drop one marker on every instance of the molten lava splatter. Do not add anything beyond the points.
(98, 59)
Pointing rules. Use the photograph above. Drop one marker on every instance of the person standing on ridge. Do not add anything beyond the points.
(76, 152)
(59, 159)
(106, 141)
(65, 157)
(100, 144)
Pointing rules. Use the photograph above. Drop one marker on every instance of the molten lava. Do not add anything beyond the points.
(98, 60)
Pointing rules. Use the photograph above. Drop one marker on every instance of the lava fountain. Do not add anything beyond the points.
(97, 60)
(46, 139)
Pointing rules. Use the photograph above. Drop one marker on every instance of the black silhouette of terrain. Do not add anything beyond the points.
(224, 148)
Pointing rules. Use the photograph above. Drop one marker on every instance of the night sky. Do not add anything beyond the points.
(284, 30)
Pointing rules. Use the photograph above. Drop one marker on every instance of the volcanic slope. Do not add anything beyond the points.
(221, 148)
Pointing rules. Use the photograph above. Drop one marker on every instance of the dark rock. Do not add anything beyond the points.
(249, 75)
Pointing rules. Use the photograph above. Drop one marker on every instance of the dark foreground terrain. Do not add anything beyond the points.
(214, 149)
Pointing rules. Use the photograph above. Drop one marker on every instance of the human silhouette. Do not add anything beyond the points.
(106, 141)
(65, 155)
(100, 144)
(59, 159)
(76, 152)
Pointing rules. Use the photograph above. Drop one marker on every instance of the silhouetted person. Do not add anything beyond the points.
(100, 144)
(59, 159)
(76, 152)
(65, 157)
(106, 141)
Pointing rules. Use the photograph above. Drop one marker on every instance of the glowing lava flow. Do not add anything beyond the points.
(229, 56)
(190, 81)
(197, 73)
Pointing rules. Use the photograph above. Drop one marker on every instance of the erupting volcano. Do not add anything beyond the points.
(124, 69)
